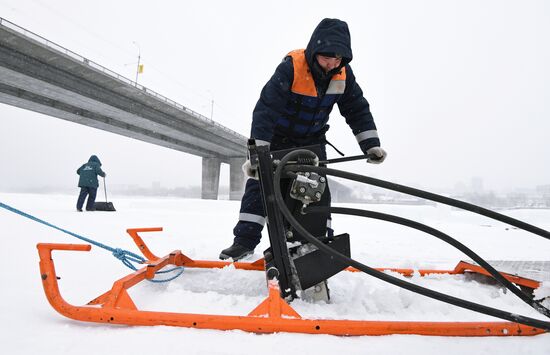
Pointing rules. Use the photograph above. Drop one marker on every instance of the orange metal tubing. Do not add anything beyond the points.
(409, 272)
(186, 261)
(140, 243)
(461, 268)
(257, 265)
(272, 315)
(464, 266)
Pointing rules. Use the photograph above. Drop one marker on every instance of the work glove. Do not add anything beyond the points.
(249, 171)
(376, 155)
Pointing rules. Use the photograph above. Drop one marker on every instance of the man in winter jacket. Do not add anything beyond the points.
(88, 182)
(293, 111)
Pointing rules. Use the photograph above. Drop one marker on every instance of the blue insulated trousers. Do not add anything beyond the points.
(91, 193)
(248, 230)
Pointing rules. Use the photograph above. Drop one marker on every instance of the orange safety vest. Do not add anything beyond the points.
(306, 113)
(304, 84)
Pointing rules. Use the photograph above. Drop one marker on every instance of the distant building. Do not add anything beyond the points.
(477, 184)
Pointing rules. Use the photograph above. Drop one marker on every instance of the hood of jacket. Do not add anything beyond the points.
(94, 159)
(330, 36)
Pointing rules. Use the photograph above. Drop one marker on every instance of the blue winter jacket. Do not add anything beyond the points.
(285, 112)
(88, 173)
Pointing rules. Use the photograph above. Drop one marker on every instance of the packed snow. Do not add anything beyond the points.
(200, 229)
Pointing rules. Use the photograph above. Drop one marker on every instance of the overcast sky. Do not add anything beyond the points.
(458, 89)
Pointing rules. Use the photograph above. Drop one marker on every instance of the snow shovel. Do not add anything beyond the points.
(104, 206)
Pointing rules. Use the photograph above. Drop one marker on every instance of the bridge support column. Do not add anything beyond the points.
(236, 178)
(210, 178)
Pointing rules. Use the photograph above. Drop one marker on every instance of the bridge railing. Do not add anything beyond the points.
(111, 73)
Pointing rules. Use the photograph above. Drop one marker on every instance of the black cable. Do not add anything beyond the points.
(448, 201)
(422, 194)
(442, 236)
(344, 159)
(385, 277)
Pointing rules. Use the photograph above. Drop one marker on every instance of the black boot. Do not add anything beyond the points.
(235, 252)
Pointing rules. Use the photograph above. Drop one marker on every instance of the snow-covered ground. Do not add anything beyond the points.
(201, 229)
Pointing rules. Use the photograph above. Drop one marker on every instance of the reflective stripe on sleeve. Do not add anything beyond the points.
(366, 135)
(261, 142)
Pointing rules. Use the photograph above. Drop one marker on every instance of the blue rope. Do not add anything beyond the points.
(125, 256)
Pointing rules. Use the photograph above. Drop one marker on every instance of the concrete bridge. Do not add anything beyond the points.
(41, 76)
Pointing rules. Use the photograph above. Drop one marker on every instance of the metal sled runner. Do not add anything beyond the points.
(272, 315)
(286, 272)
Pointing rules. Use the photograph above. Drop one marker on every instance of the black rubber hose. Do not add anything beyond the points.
(422, 194)
(442, 236)
(385, 277)
(448, 201)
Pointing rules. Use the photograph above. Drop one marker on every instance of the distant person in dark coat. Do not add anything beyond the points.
(293, 111)
(88, 182)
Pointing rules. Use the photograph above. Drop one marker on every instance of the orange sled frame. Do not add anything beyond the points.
(271, 316)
